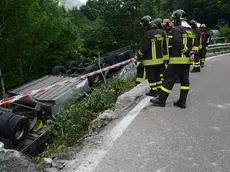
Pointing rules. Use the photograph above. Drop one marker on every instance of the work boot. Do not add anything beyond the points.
(195, 70)
(202, 65)
(152, 93)
(181, 103)
(160, 101)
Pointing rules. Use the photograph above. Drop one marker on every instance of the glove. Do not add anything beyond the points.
(187, 53)
(140, 64)
(138, 57)
(192, 55)
(192, 52)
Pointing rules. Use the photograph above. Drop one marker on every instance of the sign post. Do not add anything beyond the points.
(222, 22)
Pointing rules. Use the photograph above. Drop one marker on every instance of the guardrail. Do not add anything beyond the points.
(218, 46)
(216, 40)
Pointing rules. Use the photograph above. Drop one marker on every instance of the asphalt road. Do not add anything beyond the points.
(153, 139)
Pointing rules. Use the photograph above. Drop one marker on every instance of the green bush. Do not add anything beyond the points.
(73, 120)
(225, 32)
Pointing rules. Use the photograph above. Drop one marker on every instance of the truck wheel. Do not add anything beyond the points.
(111, 59)
(86, 62)
(71, 64)
(13, 127)
(58, 70)
(4, 119)
(17, 129)
(95, 78)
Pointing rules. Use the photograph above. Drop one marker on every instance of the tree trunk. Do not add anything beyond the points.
(2, 85)
(20, 65)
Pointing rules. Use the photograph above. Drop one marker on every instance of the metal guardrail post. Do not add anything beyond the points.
(1, 145)
(215, 47)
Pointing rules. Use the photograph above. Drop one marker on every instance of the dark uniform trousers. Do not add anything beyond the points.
(153, 75)
(197, 60)
(141, 74)
(172, 73)
(205, 37)
(197, 32)
(202, 55)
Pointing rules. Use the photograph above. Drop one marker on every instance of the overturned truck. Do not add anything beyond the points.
(86, 65)
(25, 124)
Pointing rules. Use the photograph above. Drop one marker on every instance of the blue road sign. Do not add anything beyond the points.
(222, 22)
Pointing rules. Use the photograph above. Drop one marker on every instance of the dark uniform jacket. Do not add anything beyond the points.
(151, 47)
(183, 42)
(197, 32)
(205, 39)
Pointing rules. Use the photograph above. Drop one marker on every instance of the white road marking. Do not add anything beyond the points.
(91, 161)
(213, 57)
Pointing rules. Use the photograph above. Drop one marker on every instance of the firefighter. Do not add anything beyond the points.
(183, 51)
(197, 31)
(150, 53)
(158, 22)
(205, 39)
(168, 27)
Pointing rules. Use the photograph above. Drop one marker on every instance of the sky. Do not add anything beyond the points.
(83, 1)
(69, 4)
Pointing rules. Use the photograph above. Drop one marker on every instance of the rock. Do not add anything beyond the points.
(1, 145)
(58, 164)
(129, 97)
(101, 121)
(47, 160)
(51, 170)
(14, 161)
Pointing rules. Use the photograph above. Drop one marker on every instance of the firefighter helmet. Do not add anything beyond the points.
(157, 23)
(146, 21)
(193, 23)
(179, 15)
(203, 26)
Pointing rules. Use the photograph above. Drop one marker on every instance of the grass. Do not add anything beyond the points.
(72, 122)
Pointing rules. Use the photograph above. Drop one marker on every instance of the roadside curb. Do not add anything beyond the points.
(217, 53)
(127, 99)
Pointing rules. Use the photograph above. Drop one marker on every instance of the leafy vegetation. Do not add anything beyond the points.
(73, 120)
(36, 35)
(225, 32)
